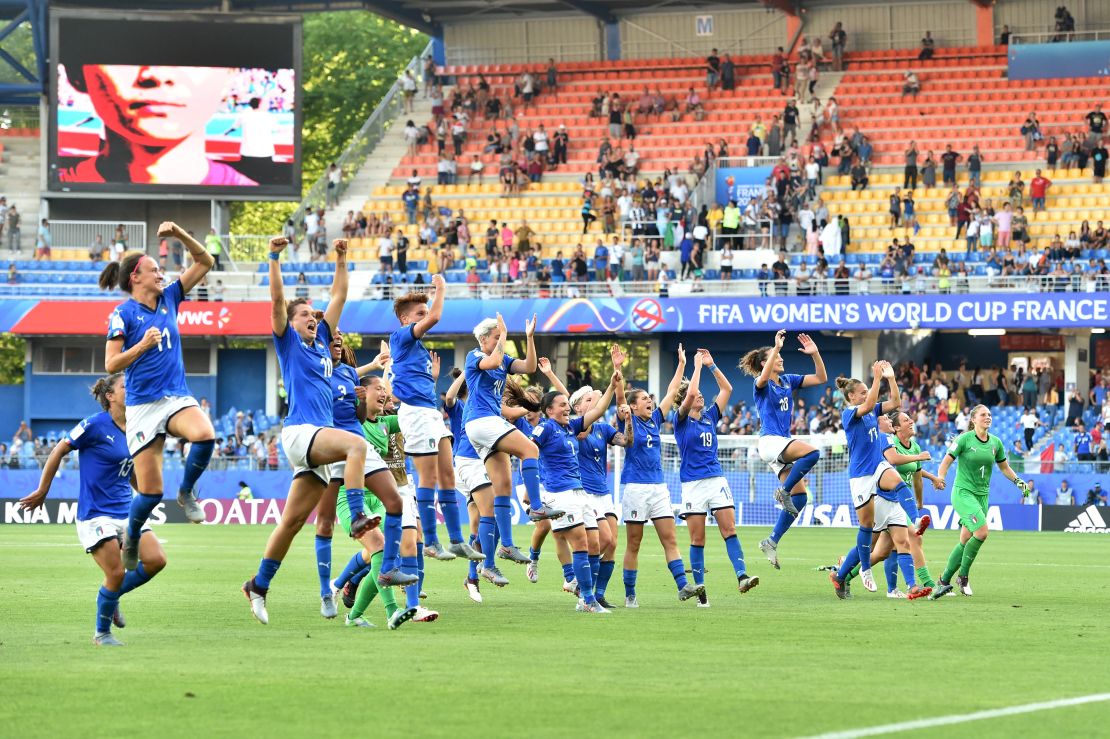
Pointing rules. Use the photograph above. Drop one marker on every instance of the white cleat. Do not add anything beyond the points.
(631, 602)
(472, 590)
(895, 594)
(106, 639)
(425, 615)
(359, 622)
(570, 586)
(533, 571)
(327, 606)
(770, 549)
(868, 580)
(257, 601)
(595, 607)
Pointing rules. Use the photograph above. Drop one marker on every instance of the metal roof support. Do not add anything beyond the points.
(34, 13)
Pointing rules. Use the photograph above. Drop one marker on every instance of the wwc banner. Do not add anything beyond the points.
(747, 183)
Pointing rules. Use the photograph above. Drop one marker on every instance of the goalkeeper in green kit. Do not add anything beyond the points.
(976, 452)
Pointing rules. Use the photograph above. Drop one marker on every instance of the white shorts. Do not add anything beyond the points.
(296, 440)
(484, 433)
(373, 464)
(101, 528)
(147, 421)
(771, 449)
(578, 506)
(410, 516)
(470, 475)
(888, 513)
(422, 429)
(705, 496)
(864, 488)
(644, 501)
(604, 506)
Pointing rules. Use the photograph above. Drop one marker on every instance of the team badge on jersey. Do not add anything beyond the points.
(633, 514)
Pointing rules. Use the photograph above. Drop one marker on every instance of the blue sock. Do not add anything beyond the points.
(323, 563)
(426, 509)
(697, 563)
(503, 513)
(849, 564)
(581, 561)
(863, 547)
(595, 566)
(141, 507)
(908, 502)
(890, 566)
(106, 603)
(412, 592)
(905, 563)
(196, 463)
(391, 552)
(630, 583)
(133, 579)
(604, 572)
(356, 564)
(533, 554)
(359, 575)
(472, 566)
(785, 519)
(678, 572)
(568, 572)
(355, 501)
(530, 471)
(267, 568)
(799, 469)
(736, 555)
(449, 507)
(487, 533)
(420, 566)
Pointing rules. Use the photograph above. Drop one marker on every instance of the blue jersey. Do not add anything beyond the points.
(105, 467)
(344, 403)
(865, 446)
(160, 372)
(593, 454)
(644, 459)
(306, 370)
(775, 404)
(412, 369)
(1083, 443)
(485, 386)
(697, 444)
(462, 446)
(559, 451)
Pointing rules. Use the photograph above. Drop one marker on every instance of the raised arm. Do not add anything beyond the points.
(895, 399)
(868, 403)
(724, 391)
(692, 389)
(672, 389)
(338, 285)
(49, 470)
(769, 365)
(435, 310)
(617, 355)
(527, 365)
(202, 260)
(624, 416)
(545, 368)
(452, 394)
(278, 317)
(602, 404)
(379, 363)
(819, 376)
(493, 359)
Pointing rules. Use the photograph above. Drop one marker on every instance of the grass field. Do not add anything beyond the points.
(787, 659)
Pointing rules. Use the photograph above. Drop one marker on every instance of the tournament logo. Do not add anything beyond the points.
(224, 318)
(647, 315)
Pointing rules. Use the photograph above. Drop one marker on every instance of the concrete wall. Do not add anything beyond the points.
(896, 25)
(565, 38)
(749, 31)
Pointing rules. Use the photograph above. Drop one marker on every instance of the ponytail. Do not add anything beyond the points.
(752, 362)
(117, 275)
(105, 385)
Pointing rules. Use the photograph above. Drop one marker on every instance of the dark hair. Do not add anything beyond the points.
(292, 305)
(548, 400)
(846, 384)
(893, 417)
(634, 395)
(347, 356)
(103, 386)
(255, 102)
(118, 274)
(520, 397)
(463, 389)
(402, 304)
(753, 361)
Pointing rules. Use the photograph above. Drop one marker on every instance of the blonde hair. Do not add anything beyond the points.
(484, 328)
(680, 394)
(846, 384)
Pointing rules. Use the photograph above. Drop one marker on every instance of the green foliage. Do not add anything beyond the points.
(21, 46)
(13, 351)
(351, 59)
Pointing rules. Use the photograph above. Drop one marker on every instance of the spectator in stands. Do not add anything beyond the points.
(43, 241)
(1038, 189)
(1096, 125)
(895, 210)
(1031, 132)
(858, 174)
(712, 70)
(928, 47)
(801, 81)
(839, 39)
(552, 75)
(911, 85)
(3, 214)
(1098, 160)
(14, 232)
(1004, 37)
(1083, 444)
(1065, 24)
(562, 143)
(13, 275)
(975, 167)
(777, 60)
(728, 73)
(949, 159)
(215, 247)
(1075, 410)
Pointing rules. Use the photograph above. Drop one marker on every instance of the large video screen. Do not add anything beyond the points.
(176, 105)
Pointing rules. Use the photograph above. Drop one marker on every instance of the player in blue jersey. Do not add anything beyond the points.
(790, 459)
(495, 439)
(427, 439)
(556, 437)
(144, 344)
(302, 337)
(705, 491)
(103, 503)
(646, 497)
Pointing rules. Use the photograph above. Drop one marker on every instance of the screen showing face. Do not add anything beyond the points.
(156, 125)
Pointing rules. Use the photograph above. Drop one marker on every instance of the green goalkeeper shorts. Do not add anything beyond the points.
(373, 507)
(971, 508)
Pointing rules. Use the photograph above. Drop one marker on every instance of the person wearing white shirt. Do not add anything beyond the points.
(385, 253)
(813, 172)
(700, 233)
(679, 191)
(961, 421)
(624, 205)
(616, 254)
(940, 392)
(806, 218)
(1029, 423)
(540, 139)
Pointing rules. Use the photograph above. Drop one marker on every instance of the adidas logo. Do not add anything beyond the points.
(1090, 521)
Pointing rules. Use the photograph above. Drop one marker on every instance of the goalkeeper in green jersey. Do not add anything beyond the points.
(975, 452)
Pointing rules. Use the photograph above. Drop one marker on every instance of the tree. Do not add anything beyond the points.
(13, 352)
(351, 59)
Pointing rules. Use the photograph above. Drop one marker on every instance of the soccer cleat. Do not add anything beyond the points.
(631, 602)
(494, 576)
(187, 499)
(690, 590)
(327, 606)
(917, 591)
(922, 524)
(745, 583)
(839, 587)
(544, 511)
(703, 600)
(349, 591)
(604, 603)
(423, 595)
(533, 571)
(362, 523)
(771, 549)
(895, 594)
(257, 599)
(513, 554)
(472, 590)
(105, 639)
(130, 552)
(396, 578)
(400, 616)
(464, 550)
(590, 607)
(117, 619)
(359, 622)
(965, 587)
(868, 580)
(425, 615)
(433, 551)
(943, 588)
(570, 586)
(782, 497)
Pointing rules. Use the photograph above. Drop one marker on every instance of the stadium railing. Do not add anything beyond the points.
(82, 234)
